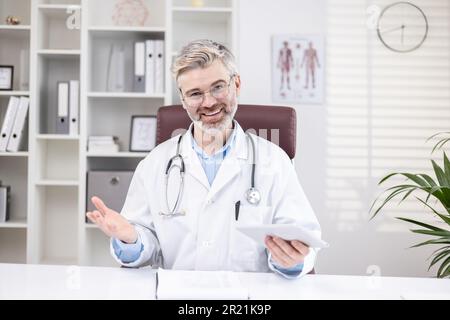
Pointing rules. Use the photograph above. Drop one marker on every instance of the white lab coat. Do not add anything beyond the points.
(205, 238)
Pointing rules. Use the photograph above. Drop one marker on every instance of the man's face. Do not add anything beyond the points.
(214, 113)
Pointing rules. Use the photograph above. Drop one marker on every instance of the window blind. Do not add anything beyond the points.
(381, 108)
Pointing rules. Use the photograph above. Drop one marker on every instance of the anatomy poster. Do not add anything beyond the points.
(298, 69)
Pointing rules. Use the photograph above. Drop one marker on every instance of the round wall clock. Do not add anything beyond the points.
(402, 27)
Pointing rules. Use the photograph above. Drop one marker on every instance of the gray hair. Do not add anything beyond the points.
(201, 54)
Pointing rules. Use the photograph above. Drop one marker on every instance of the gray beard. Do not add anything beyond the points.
(217, 127)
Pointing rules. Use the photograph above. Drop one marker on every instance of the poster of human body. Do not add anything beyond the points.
(298, 69)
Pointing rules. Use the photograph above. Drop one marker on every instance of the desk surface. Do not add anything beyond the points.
(69, 282)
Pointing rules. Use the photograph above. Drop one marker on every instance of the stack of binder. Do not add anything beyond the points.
(149, 66)
(13, 134)
(68, 108)
(103, 144)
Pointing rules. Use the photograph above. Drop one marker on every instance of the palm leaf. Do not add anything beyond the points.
(433, 241)
(440, 144)
(440, 175)
(445, 218)
(444, 268)
(446, 166)
(439, 257)
(435, 233)
(422, 224)
(428, 179)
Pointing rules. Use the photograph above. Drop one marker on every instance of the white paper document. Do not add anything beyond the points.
(284, 231)
(205, 285)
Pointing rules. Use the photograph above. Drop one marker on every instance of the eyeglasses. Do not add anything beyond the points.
(219, 91)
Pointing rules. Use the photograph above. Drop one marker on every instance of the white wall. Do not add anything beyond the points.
(358, 250)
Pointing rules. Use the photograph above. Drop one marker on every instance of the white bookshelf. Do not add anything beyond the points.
(14, 93)
(125, 95)
(58, 53)
(57, 183)
(14, 166)
(48, 178)
(15, 223)
(117, 155)
(14, 27)
(14, 154)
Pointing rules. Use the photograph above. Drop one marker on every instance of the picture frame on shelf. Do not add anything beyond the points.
(143, 133)
(6, 78)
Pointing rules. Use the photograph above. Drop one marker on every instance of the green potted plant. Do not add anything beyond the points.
(437, 189)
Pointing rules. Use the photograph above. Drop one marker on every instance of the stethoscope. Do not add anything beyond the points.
(252, 195)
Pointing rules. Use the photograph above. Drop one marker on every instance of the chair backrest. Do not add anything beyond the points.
(276, 124)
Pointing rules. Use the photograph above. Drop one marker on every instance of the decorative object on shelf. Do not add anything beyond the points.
(12, 20)
(298, 69)
(402, 27)
(6, 77)
(143, 133)
(436, 197)
(197, 3)
(130, 13)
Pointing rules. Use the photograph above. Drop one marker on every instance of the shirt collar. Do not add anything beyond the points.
(224, 149)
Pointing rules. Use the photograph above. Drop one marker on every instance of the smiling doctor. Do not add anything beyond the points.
(189, 220)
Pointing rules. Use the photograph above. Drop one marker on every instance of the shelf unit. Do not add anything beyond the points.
(15, 41)
(48, 222)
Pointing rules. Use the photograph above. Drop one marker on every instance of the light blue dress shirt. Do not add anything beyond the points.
(128, 253)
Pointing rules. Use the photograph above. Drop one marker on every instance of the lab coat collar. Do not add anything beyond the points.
(229, 168)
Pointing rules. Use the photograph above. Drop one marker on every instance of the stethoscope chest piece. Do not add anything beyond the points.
(253, 196)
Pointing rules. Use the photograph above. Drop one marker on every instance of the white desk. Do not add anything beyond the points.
(63, 282)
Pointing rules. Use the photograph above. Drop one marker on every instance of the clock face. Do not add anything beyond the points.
(402, 27)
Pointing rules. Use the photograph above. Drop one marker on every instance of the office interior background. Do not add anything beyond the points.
(379, 108)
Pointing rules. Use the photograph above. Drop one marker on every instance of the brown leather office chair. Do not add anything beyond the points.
(257, 117)
(260, 118)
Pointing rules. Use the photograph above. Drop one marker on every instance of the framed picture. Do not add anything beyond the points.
(298, 69)
(143, 133)
(6, 77)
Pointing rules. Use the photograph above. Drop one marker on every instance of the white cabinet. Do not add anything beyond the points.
(48, 177)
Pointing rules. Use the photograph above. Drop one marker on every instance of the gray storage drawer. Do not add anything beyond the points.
(110, 186)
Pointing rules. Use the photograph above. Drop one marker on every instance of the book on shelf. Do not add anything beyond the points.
(139, 67)
(8, 122)
(159, 66)
(103, 144)
(74, 106)
(19, 129)
(5, 199)
(62, 117)
(103, 138)
(68, 107)
(99, 148)
(149, 66)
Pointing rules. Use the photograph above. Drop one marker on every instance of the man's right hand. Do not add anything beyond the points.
(111, 222)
